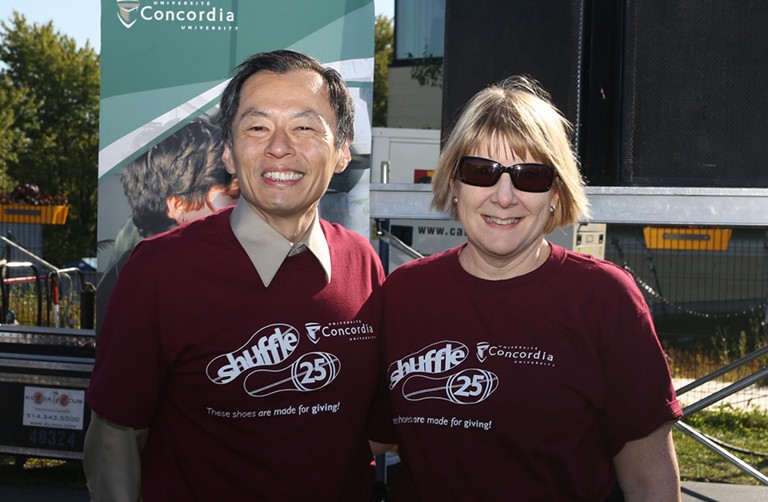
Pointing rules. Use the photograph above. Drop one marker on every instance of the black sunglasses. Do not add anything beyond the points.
(527, 177)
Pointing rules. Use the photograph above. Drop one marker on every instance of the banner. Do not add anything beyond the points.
(164, 64)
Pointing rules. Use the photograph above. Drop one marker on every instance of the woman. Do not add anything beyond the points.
(519, 370)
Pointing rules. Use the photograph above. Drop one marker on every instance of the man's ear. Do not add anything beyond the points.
(226, 158)
(345, 156)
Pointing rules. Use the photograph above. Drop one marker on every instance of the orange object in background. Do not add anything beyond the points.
(24, 213)
(687, 238)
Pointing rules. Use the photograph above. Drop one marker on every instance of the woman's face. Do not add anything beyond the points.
(504, 225)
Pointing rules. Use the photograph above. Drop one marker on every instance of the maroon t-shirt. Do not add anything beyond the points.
(250, 393)
(520, 389)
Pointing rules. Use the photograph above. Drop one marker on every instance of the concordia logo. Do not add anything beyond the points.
(355, 330)
(482, 348)
(187, 14)
(127, 12)
(518, 354)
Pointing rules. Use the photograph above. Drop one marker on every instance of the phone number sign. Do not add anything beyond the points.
(54, 408)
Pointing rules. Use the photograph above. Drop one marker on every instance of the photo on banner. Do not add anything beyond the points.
(163, 67)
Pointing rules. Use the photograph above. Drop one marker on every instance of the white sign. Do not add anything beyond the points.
(53, 407)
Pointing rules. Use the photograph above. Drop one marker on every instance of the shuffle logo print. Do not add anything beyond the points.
(419, 371)
(310, 372)
(469, 386)
(127, 12)
(264, 360)
(269, 346)
(436, 358)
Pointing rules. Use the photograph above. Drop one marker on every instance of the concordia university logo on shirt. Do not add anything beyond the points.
(353, 330)
(518, 354)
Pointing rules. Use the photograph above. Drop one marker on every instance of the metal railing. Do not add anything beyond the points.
(718, 396)
(34, 284)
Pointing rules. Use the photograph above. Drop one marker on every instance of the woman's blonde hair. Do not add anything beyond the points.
(519, 114)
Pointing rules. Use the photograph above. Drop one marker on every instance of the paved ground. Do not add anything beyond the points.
(716, 492)
(41, 494)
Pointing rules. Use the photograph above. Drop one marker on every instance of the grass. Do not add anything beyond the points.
(745, 433)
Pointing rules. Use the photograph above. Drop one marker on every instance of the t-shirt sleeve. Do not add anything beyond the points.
(640, 395)
(128, 372)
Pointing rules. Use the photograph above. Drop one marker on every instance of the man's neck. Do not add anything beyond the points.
(293, 227)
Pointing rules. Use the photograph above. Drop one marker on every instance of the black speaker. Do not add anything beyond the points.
(489, 40)
(693, 93)
(661, 92)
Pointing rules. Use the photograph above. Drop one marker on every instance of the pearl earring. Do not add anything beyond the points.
(455, 200)
(551, 209)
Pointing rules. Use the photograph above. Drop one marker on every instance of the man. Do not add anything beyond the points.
(239, 355)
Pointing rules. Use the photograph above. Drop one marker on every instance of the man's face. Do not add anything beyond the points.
(283, 150)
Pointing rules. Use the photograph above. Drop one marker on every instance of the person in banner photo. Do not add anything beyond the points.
(517, 369)
(239, 357)
(180, 179)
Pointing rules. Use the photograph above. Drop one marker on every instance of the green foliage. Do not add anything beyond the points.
(384, 41)
(732, 340)
(427, 70)
(24, 300)
(49, 94)
(733, 420)
(12, 103)
(742, 432)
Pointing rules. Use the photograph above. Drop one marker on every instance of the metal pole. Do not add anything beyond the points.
(23, 250)
(723, 370)
(693, 433)
(723, 393)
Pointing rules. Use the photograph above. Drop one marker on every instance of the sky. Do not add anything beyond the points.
(80, 19)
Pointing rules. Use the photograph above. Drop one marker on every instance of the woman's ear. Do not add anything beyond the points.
(555, 195)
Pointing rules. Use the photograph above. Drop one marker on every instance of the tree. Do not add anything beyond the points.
(427, 70)
(11, 139)
(49, 97)
(384, 38)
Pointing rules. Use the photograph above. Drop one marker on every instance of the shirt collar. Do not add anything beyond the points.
(267, 249)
